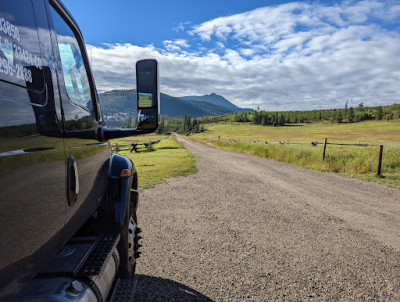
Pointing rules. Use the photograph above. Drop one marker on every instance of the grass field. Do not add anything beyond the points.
(169, 159)
(353, 161)
(374, 132)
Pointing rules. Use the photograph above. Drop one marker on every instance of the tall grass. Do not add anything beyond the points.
(353, 161)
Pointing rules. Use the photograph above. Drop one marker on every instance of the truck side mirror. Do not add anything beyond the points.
(147, 94)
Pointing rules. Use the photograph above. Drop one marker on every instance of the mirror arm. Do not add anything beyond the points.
(82, 134)
(110, 133)
(103, 134)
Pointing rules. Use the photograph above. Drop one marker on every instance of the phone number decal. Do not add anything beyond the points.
(17, 70)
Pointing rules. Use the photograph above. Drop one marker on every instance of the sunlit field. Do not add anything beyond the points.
(372, 132)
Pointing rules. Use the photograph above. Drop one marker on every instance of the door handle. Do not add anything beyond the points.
(72, 181)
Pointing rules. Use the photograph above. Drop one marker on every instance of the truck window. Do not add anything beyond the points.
(20, 54)
(73, 67)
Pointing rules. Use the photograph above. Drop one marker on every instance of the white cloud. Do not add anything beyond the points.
(291, 56)
(176, 45)
(219, 44)
(181, 26)
(248, 52)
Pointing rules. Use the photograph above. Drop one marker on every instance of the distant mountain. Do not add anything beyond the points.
(117, 105)
(215, 99)
(176, 107)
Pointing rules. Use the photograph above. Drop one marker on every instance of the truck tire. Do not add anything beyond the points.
(129, 245)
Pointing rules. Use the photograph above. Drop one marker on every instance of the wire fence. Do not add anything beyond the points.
(314, 144)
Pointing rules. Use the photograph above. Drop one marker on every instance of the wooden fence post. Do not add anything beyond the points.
(323, 153)
(379, 169)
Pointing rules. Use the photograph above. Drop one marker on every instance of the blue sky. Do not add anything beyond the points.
(148, 22)
(278, 55)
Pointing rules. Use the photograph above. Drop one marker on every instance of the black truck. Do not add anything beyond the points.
(68, 225)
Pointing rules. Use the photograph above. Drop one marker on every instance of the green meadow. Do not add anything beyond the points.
(372, 132)
(167, 159)
(352, 161)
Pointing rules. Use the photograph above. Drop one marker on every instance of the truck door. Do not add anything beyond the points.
(84, 157)
(32, 171)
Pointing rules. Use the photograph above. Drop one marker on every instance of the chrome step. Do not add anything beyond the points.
(99, 257)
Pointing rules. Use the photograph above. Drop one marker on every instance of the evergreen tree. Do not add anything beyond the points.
(379, 115)
(185, 121)
(282, 120)
(339, 117)
(189, 126)
(351, 115)
(265, 120)
(256, 118)
(276, 120)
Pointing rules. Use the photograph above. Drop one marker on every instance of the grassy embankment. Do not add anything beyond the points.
(353, 161)
(169, 159)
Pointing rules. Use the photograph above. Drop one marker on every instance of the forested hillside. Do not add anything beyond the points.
(281, 118)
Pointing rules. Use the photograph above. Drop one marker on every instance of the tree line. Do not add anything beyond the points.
(344, 115)
(187, 125)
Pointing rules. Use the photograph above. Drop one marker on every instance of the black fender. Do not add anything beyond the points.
(122, 178)
(122, 196)
(119, 163)
(121, 189)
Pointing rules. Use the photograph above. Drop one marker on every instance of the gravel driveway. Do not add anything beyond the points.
(249, 229)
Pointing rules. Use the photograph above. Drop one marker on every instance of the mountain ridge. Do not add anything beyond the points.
(215, 99)
(118, 104)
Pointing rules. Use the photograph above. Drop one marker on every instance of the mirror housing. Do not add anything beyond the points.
(148, 106)
(147, 94)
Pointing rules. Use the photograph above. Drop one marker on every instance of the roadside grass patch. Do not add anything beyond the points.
(169, 159)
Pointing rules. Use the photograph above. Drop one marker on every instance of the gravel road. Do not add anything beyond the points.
(249, 229)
